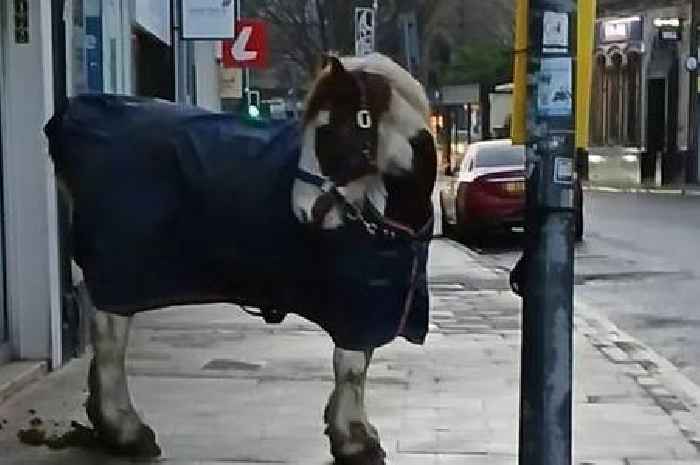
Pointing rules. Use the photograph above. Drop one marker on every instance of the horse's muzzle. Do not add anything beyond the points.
(323, 205)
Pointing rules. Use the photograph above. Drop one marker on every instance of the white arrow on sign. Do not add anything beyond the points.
(238, 50)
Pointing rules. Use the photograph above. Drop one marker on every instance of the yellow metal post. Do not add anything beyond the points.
(584, 76)
(518, 120)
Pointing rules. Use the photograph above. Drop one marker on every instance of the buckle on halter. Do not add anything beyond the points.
(328, 186)
(364, 119)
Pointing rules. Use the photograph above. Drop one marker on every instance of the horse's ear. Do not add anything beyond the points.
(334, 63)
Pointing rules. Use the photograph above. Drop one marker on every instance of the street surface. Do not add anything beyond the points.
(640, 266)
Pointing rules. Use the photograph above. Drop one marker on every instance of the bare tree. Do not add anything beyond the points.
(302, 30)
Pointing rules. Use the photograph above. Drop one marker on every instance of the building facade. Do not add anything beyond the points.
(31, 313)
(640, 126)
(50, 50)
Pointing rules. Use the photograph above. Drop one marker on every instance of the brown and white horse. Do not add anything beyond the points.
(365, 140)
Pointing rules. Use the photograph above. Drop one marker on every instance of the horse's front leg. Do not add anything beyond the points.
(353, 439)
(109, 406)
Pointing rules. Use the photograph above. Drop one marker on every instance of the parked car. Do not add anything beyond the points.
(488, 192)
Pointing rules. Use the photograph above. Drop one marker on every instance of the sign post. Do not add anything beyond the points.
(364, 31)
(547, 337)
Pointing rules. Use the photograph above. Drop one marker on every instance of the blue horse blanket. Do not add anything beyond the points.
(175, 205)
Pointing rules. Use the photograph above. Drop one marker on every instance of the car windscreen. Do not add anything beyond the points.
(500, 155)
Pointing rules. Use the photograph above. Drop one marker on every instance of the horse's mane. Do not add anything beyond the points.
(400, 80)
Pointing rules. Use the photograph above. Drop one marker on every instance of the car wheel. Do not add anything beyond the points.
(468, 234)
(578, 226)
(447, 229)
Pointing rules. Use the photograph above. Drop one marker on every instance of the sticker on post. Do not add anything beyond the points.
(554, 87)
(563, 170)
(555, 30)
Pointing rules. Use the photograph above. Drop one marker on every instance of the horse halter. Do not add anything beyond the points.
(364, 123)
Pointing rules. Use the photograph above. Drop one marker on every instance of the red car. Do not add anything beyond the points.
(488, 191)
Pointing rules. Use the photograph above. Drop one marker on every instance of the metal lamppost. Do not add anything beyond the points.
(547, 336)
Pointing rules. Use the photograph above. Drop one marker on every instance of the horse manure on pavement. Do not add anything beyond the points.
(78, 436)
(32, 436)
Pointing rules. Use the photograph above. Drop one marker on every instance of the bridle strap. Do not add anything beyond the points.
(364, 121)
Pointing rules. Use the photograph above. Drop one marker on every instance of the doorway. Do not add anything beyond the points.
(154, 67)
(656, 130)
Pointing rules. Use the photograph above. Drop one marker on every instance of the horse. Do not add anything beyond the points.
(361, 165)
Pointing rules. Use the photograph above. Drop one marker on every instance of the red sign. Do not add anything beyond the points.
(249, 48)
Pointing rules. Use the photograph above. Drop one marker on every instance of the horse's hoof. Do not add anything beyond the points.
(143, 447)
(372, 452)
(366, 457)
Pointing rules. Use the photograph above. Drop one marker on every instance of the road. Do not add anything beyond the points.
(640, 266)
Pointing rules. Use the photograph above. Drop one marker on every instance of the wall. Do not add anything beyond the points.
(207, 80)
(29, 188)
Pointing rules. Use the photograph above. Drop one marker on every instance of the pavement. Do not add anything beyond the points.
(692, 190)
(220, 387)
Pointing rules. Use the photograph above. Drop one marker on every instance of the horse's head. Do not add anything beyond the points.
(360, 116)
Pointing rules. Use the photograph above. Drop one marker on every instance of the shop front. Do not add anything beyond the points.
(640, 95)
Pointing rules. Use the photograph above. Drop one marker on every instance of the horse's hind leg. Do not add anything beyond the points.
(109, 405)
(353, 439)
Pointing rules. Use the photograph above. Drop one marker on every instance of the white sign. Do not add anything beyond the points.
(563, 170)
(616, 31)
(208, 19)
(231, 83)
(554, 87)
(364, 31)
(556, 29)
(154, 17)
